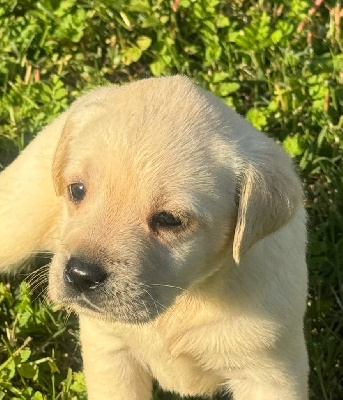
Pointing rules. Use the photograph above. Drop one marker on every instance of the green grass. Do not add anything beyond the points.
(268, 59)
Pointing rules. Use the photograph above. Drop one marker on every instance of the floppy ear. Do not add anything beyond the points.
(29, 208)
(269, 194)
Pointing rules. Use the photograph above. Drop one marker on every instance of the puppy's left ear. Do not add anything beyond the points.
(269, 194)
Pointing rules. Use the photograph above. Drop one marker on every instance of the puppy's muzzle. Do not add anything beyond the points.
(84, 276)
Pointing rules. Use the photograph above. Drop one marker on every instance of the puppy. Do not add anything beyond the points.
(179, 238)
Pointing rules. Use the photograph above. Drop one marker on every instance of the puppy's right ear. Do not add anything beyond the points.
(61, 157)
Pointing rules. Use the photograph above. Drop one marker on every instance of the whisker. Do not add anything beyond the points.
(29, 275)
(38, 278)
(40, 293)
(90, 303)
(164, 308)
(36, 274)
(38, 284)
(169, 286)
(66, 318)
(146, 308)
(46, 300)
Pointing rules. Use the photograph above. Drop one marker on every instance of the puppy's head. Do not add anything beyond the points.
(160, 183)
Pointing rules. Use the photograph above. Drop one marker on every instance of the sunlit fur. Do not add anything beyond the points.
(216, 304)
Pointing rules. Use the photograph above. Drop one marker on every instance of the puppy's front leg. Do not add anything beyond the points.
(111, 372)
(278, 386)
(246, 390)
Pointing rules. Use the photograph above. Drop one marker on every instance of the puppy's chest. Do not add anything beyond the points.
(174, 366)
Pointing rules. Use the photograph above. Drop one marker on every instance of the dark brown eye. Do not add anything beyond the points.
(165, 220)
(77, 191)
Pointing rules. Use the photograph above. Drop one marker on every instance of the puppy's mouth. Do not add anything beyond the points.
(136, 310)
(85, 303)
(89, 289)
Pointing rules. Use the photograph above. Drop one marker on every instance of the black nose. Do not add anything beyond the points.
(83, 275)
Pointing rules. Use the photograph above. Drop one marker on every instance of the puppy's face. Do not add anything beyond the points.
(148, 176)
(145, 211)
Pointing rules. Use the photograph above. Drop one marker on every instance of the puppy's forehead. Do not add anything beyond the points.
(170, 109)
(158, 127)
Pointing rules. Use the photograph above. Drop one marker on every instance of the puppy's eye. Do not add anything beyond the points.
(165, 219)
(77, 191)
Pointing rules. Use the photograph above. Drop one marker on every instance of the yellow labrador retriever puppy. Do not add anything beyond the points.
(179, 238)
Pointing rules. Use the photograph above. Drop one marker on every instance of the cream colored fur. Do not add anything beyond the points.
(225, 293)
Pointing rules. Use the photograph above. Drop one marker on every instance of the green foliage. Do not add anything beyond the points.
(34, 340)
(267, 59)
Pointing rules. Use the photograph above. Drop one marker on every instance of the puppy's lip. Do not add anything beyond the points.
(80, 303)
(86, 303)
(82, 307)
